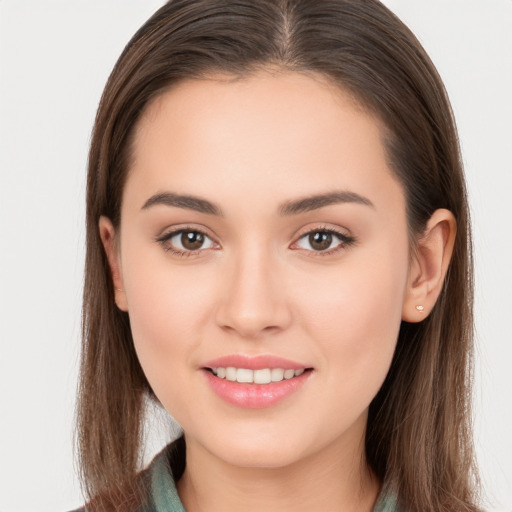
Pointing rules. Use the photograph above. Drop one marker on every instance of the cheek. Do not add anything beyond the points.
(167, 330)
(167, 312)
(355, 316)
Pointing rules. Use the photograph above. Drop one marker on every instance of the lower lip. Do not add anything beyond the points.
(255, 396)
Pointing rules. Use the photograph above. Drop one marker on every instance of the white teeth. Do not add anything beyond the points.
(262, 376)
(288, 374)
(244, 375)
(277, 374)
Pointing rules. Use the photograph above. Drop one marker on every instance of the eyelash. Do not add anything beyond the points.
(345, 241)
(164, 240)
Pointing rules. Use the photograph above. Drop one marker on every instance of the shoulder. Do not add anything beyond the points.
(163, 472)
(159, 478)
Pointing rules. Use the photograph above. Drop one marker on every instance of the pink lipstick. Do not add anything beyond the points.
(255, 382)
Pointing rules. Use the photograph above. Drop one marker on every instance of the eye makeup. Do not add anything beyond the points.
(190, 241)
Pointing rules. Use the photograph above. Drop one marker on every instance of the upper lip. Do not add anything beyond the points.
(254, 362)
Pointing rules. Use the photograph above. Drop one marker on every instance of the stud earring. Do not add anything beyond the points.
(420, 308)
(118, 290)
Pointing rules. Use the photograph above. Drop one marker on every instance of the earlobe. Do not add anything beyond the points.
(429, 265)
(108, 239)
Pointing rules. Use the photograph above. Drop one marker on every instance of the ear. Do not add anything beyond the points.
(108, 238)
(429, 265)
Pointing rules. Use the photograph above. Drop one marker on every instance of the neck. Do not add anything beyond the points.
(335, 479)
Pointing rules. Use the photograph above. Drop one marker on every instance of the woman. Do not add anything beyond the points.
(278, 253)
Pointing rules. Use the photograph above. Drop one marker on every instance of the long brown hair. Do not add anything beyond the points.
(418, 437)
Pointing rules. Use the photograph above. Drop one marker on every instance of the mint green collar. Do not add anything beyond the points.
(166, 499)
(163, 489)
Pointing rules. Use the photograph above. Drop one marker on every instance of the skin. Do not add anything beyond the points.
(260, 287)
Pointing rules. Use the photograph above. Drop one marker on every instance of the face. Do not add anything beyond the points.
(262, 230)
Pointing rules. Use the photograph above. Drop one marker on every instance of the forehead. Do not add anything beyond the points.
(283, 132)
(272, 101)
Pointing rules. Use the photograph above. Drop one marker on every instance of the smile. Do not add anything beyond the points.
(255, 389)
(260, 376)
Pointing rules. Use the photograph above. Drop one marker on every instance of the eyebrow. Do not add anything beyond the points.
(317, 201)
(294, 207)
(183, 201)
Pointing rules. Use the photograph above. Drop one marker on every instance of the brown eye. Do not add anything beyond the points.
(192, 240)
(320, 240)
(323, 241)
(186, 241)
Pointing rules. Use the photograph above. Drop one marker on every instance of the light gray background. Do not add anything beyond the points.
(55, 57)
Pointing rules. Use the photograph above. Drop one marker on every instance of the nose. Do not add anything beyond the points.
(254, 300)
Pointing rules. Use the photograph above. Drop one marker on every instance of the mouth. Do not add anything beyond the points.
(260, 376)
(266, 382)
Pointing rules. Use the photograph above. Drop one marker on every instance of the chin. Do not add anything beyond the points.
(276, 450)
(258, 457)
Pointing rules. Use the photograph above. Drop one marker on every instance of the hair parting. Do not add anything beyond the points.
(418, 438)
